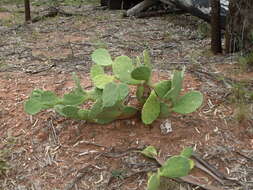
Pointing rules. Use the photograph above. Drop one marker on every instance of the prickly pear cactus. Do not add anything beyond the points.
(110, 94)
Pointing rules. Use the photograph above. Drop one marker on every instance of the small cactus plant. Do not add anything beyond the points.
(111, 91)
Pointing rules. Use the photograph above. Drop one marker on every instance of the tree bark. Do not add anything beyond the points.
(215, 27)
(239, 30)
(27, 10)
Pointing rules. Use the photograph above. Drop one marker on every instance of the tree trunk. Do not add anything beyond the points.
(216, 27)
(239, 31)
(27, 10)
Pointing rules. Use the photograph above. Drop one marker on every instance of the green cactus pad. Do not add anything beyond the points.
(151, 109)
(32, 106)
(96, 70)
(188, 103)
(40, 100)
(141, 73)
(58, 108)
(96, 109)
(150, 152)
(113, 93)
(176, 166)
(187, 152)
(94, 94)
(71, 112)
(123, 91)
(122, 68)
(108, 114)
(147, 59)
(101, 57)
(73, 99)
(48, 99)
(101, 80)
(83, 114)
(128, 111)
(110, 95)
(79, 88)
(176, 86)
(162, 88)
(153, 182)
(140, 93)
(165, 111)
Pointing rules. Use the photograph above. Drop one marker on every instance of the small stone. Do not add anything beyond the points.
(166, 127)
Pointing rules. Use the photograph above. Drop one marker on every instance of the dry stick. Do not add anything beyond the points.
(205, 166)
(140, 7)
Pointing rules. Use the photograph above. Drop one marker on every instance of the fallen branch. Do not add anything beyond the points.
(140, 7)
(53, 12)
(157, 13)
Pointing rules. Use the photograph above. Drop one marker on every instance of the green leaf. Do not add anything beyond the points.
(176, 86)
(101, 80)
(110, 95)
(162, 88)
(141, 73)
(151, 109)
(187, 152)
(188, 103)
(147, 59)
(122, 68)
(176, 166)
(32, 106)
(153, 182)
(150, 152)
(96, 70)
(101, 57)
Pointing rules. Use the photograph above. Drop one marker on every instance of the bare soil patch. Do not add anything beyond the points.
(48, 152)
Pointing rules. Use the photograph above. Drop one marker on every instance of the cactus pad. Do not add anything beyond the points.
(122, 68)
(188, 103)
(141, 73)
(101, 57)
(151, 109)
(101, 80)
